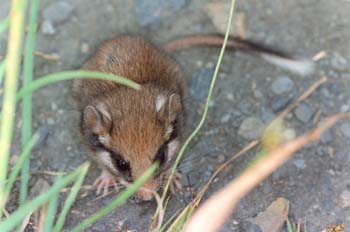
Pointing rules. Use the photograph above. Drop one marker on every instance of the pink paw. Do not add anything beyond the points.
(103, 182)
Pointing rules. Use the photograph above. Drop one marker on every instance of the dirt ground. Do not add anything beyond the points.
(316, 180)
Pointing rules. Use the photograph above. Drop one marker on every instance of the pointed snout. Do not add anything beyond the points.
(145, 192)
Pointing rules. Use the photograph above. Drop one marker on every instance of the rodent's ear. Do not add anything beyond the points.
(175, 106)
(168, 108)
(99, 122)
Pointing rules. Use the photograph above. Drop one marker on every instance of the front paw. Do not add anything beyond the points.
(175, 184)
(104, 181)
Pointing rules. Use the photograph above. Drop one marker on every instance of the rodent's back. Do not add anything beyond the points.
(134, 58)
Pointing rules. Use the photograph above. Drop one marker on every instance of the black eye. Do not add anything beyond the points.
(161, 155)
(120, 163)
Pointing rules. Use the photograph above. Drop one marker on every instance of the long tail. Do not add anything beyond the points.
(279, 58)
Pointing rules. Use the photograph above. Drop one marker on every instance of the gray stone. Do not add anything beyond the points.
(251, 128)
(47, 28)
(338, 61)
(282, 85)
(344, 199)
(58, 12)
(200, 83)
(279, 103)
(225, 118)
(345, 129)
(151, 11)
(266, 115)
(299, 163)
(247, 226)
(43, 133)
(303, 112)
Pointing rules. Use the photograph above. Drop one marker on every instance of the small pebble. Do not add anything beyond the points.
(43, 133)
(344, 199)
(282, 85)
(47, 28)
(280, 103)
(345, 129)
(247, 226)
(326, 137)
(152, 11)
(225, 118)
(303, 112)
(251, 128)
(84, 48)
(339, 62)
(58, 12)
(300, 164)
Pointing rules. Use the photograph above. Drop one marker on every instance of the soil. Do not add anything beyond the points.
(313, 180)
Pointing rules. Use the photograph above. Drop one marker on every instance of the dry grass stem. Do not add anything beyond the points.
(227, 198)
(51, 57)
(320, 55)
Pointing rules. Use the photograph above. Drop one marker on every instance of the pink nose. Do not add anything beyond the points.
(145, 193)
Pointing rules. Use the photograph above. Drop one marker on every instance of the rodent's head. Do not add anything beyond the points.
(130, 130)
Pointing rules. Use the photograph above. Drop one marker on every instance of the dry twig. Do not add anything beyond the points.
(227, 198)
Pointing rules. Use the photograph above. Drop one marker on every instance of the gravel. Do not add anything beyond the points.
(152, 11)
(251, 128)
(299, 163)
(339, 62)
(304, 112)
(247, 226)
(43, 132)
(282, 85)
(344, 199)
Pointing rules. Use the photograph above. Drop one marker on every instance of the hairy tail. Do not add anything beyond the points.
(279, 58)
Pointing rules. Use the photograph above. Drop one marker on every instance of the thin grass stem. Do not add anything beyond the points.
(118, 201)
(17, 13)
(28, 69)
(69, 75)
(206, 107)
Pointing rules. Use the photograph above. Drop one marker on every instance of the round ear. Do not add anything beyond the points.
(168, 108)
(175, 106)
(99, 122)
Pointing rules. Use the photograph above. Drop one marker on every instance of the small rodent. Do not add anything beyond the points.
(126, 130)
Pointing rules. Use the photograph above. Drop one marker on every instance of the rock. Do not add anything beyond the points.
(273, 218)
(303, 112)
(40, 186)
(339, 62)
(266, 115)
(200, 83)
(47, 28)
(247, 226)
(299, 163)
(58, 12)
(251, 128)
(43, 132)
(84, 47)
(345, 129)
(151, 11)
(282, 85)
(225, 118)
(280, 103)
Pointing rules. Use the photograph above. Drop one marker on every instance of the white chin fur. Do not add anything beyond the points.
(299, 66)
(105, 158)
(173, 147)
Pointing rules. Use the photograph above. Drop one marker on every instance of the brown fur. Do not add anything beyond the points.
(135, 129)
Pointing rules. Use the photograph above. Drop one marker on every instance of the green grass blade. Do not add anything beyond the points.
(289, 226)
(51, 212)
(13, 58)
(69, 75)
(21, 159)
(16, 217)
(4, 24)
(206, 107)
(28, 69)
(69, 202)
(2, 70)
(118, 201)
